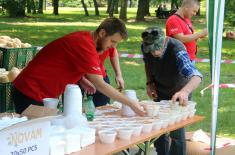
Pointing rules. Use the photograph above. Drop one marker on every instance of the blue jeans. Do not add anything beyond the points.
(100, 99)
(178, 144)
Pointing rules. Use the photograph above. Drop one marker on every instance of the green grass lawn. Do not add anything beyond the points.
(41, 29)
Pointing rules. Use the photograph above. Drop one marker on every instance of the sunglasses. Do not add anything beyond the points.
(153, 32)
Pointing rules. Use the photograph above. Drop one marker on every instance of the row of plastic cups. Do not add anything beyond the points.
(168, 118)
(190, 106)
(108, 133)
(123, 133)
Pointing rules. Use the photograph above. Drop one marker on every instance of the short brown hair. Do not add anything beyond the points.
(190, 3)
(112, 26)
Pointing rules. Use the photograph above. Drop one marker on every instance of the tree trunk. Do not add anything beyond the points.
(28, 6)
(123, 10)
(56, 7)
(141, 10)
(109, 2)
(21, 11)
(40, 6)
(147, 13)
(85, 8)
(96, 8)
(198, 13)
(111, 9)
(116, 6)
(33, 6)
(130, 4)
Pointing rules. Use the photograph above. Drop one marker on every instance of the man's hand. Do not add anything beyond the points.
(203, 33)
(87, 86)
(139, 110)
(151, 91)
(182, 96)
(120, 83)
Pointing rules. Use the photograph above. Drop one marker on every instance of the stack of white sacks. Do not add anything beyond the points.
(69, 133)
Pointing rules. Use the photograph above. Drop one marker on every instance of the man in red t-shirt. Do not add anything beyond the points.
(99, 98)
(66, 60)
(179, 26)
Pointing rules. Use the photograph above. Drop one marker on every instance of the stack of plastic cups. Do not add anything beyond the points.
(126, 110)
(73, 106)
(72, 100)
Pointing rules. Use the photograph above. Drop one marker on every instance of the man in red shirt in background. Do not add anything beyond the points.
(179, 26)
(66, 60)
(99, 98)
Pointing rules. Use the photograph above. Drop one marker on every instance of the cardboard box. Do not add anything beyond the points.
(200, 148)
(35, 111)
(29, 137)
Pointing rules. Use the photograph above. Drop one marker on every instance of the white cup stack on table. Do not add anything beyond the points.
(72, 100)
(51, 102)
(126, 110)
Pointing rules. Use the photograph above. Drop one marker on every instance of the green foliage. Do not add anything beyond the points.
(14, 8)
(71, 3)
(230, 12)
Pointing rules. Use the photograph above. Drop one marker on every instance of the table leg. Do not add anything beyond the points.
(141, 148)
(147, 147)
(126, 152)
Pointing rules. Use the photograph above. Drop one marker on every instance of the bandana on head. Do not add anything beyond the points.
(153, 38)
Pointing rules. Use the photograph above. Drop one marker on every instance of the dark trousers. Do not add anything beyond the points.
(100, 99)
(177, 146)
(22, 101)
(173, 143)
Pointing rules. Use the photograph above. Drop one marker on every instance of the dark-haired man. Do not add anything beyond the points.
(170, 76)
(66, 60)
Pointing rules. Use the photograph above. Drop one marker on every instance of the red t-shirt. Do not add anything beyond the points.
(108, 53)
(61, 62)
(176, 25)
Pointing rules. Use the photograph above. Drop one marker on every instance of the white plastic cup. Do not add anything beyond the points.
(131, 94)
(51, 102)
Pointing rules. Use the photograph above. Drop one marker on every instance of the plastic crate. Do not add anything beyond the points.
(16, 57)
(6, 101)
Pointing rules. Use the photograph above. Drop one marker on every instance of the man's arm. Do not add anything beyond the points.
(116, 67)
(188, 70)
(190, 37)
(183, 94)
(150, 85)
(87, 86)
(109, 91)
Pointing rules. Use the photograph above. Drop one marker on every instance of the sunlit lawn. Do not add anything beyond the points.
(41, 29)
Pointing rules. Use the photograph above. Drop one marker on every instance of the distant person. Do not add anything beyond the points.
(65, 61)
(170, 76)
(159, 11)
(99, 98)
(179, 26)
(164, 7)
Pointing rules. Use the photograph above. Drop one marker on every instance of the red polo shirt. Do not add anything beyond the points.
(176, 25)
(108, 53)
(61, 62)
